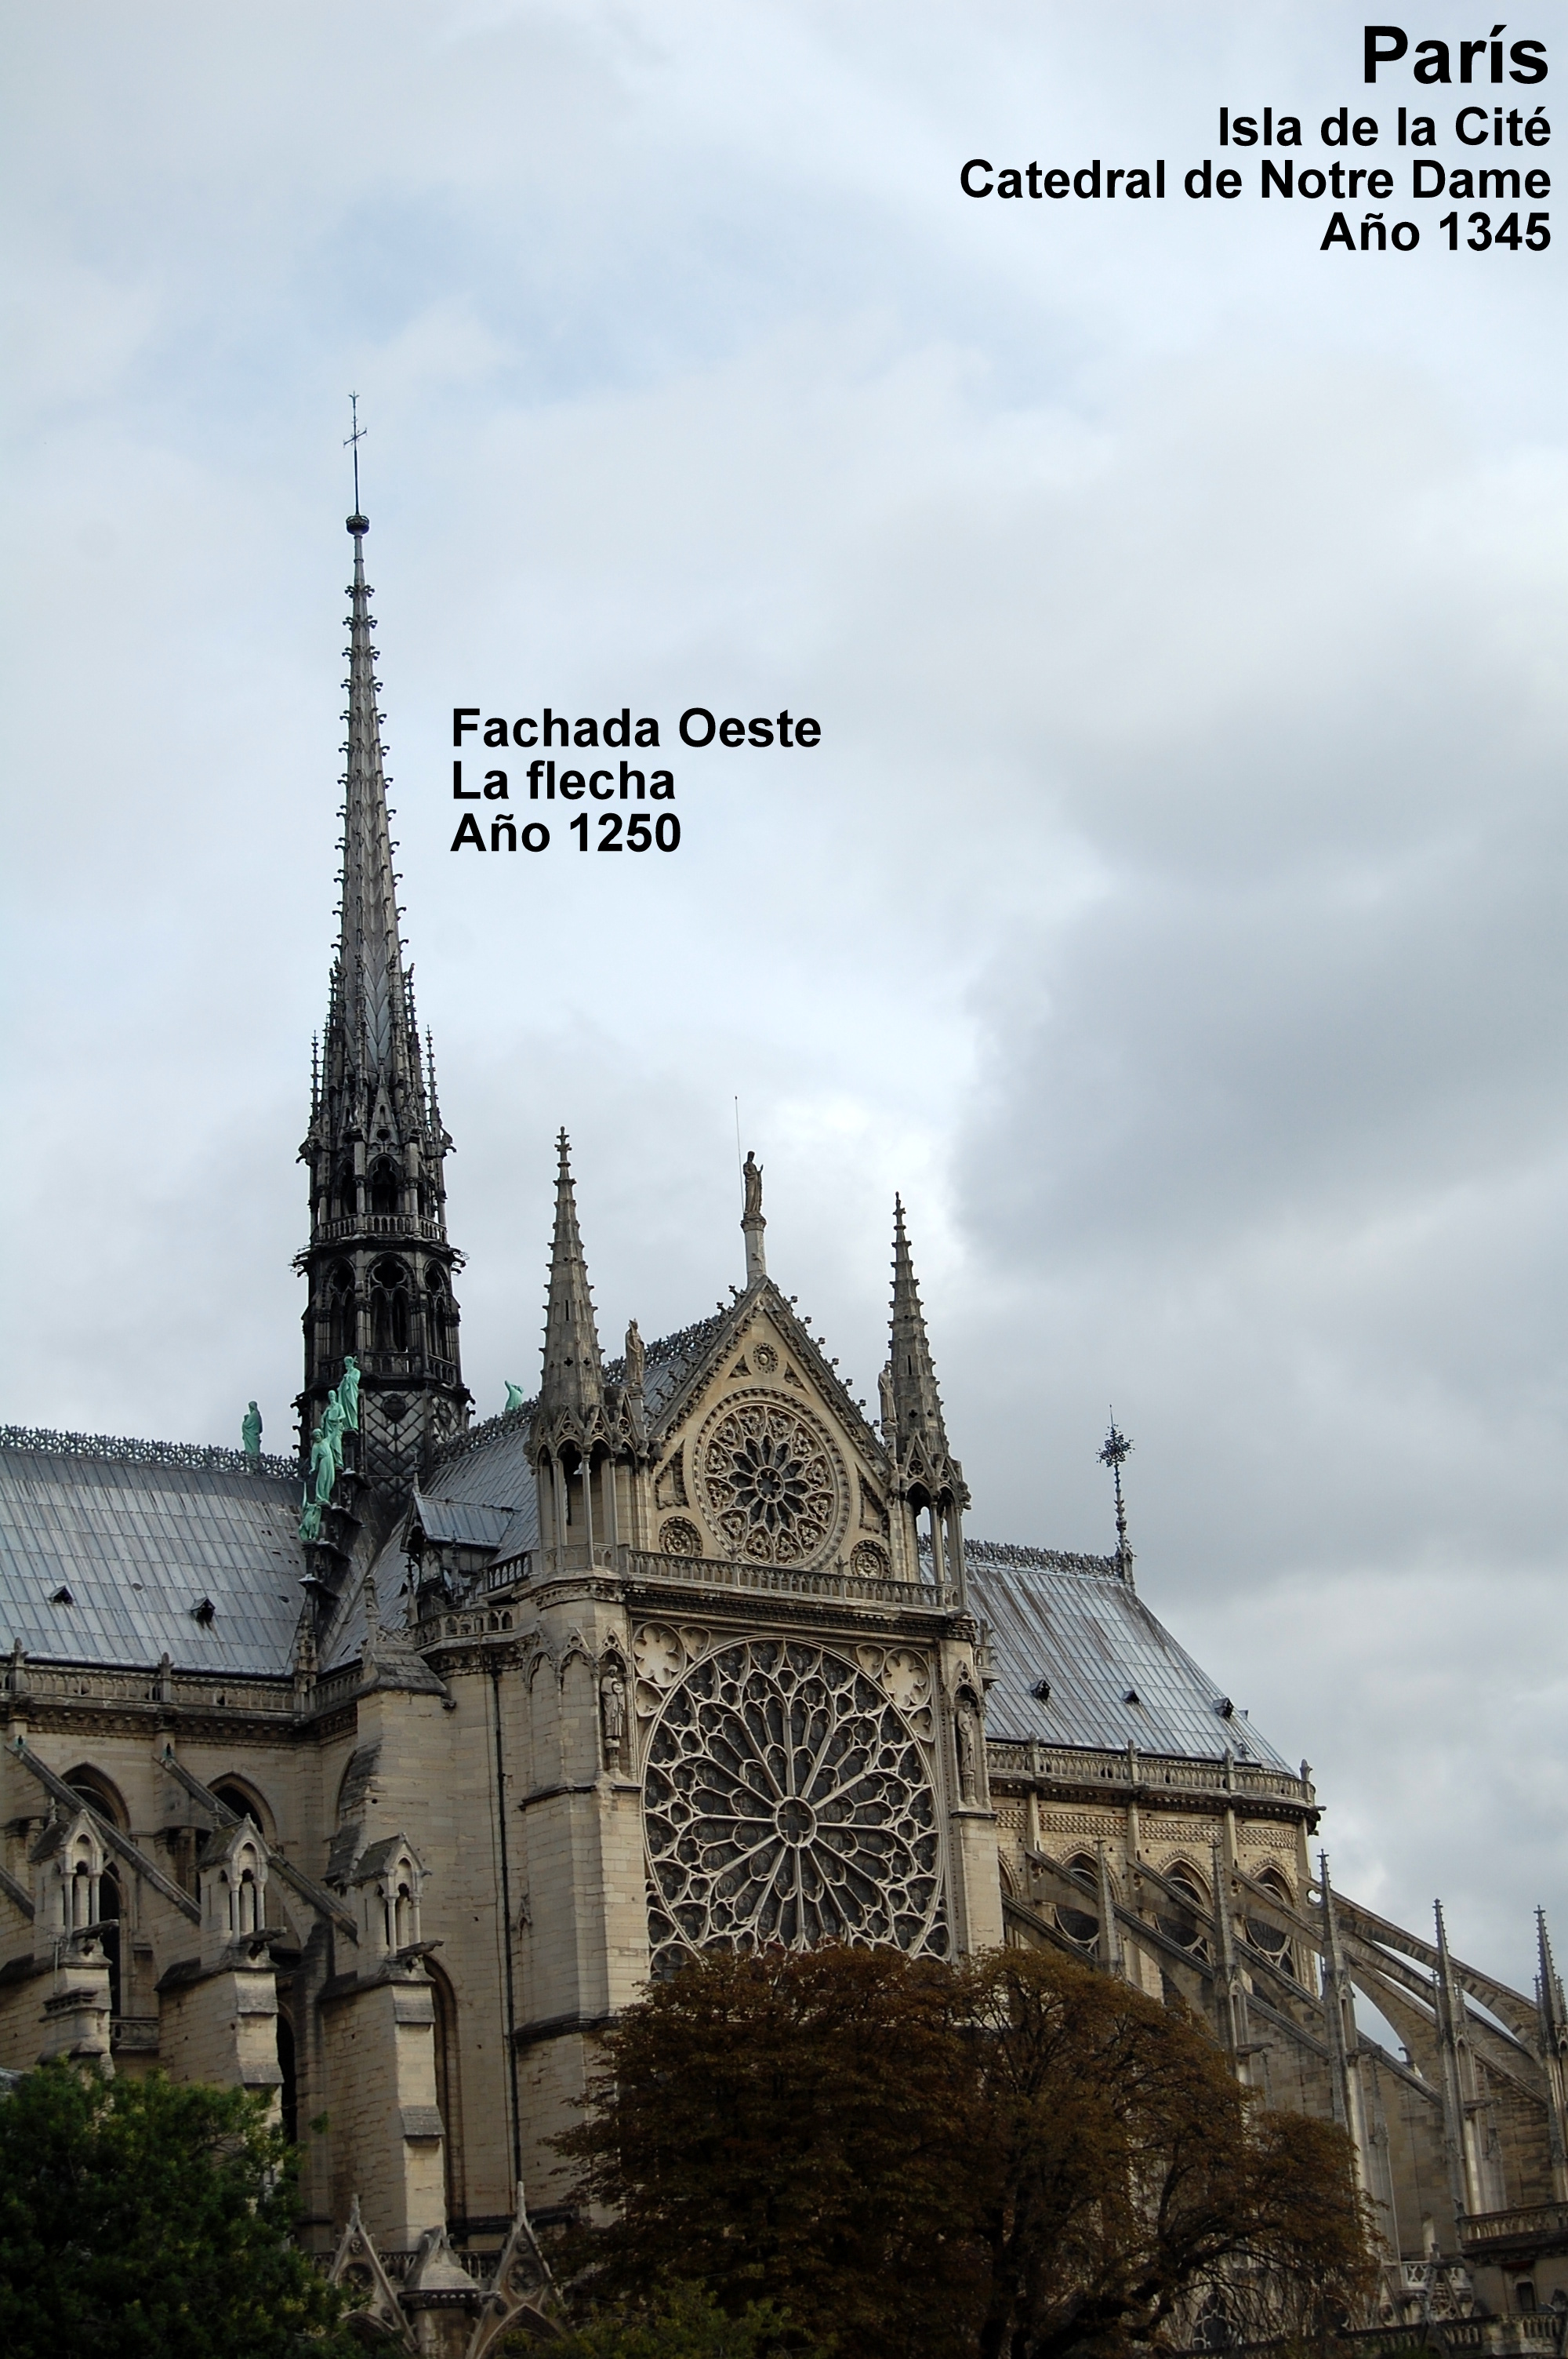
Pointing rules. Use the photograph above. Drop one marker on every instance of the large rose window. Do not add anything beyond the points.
(770, 1482)
(786, 1800)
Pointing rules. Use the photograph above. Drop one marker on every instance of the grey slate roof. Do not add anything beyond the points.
(463, 1521)
(488, 1465)
(139, 1540)
(1072, 1621)
(141, 1533)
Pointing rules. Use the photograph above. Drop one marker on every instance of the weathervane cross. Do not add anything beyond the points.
(353, 441)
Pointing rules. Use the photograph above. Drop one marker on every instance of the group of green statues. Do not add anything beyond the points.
(341, 1416)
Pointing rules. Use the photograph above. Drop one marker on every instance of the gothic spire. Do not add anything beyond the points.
(573, 1380)
(377, 1043)
(917, 1405)
(379, 1263)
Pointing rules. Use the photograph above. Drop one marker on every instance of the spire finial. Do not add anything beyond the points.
(752, 1221)
(357, 523)
(1112, 1451)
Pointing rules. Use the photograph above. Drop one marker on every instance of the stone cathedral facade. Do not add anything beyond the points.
(388, 1801)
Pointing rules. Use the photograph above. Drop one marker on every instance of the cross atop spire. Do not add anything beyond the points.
(1113, 1452)
(573, 1381)
(351, 442)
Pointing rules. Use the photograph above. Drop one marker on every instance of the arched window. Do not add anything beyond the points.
(245, 1803)
(385, 1186)
(100, 1794)
(389, 1306)
(440, 1312)
(1178, 1922)
(345, 1196)
(1080, 1927)
(341, 1335)
(1272, 1940)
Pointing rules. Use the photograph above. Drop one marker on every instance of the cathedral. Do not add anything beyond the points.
(382, 1779)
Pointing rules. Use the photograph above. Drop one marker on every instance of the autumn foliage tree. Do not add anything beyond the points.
(1012, 2158)
(1124, 2170)
(791, 2127)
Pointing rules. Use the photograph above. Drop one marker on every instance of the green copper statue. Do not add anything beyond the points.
(330, 1433)
(250, 1431)
(310, 1519)
(513, 1395)
(348, 1394)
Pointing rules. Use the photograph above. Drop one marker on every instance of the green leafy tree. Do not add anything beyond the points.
(152, 2220)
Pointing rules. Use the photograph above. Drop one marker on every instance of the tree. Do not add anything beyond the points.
(1015, 2158)
(152, 2220)
(1125, 2172)
(789, 2126)
(683, 2321)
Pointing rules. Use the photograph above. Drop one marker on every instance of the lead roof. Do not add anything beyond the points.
(142, 1539)
(140, 1542)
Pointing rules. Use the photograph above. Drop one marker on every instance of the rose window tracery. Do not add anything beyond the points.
(787, 1801)
(770, 1482)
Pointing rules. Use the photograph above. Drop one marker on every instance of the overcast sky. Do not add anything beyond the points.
(1172, 908)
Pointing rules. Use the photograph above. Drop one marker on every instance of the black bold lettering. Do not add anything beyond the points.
(1381, 45)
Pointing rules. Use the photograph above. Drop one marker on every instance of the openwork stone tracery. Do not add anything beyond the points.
(770, 1482)
(787, 1801)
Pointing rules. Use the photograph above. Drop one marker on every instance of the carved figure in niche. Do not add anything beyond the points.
(890, 1419)
(250, 1431)
(636, 1360)
(751, 1175)
(348, 1394)
(612, 1714)
(513, 1396)
(967, 1738)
